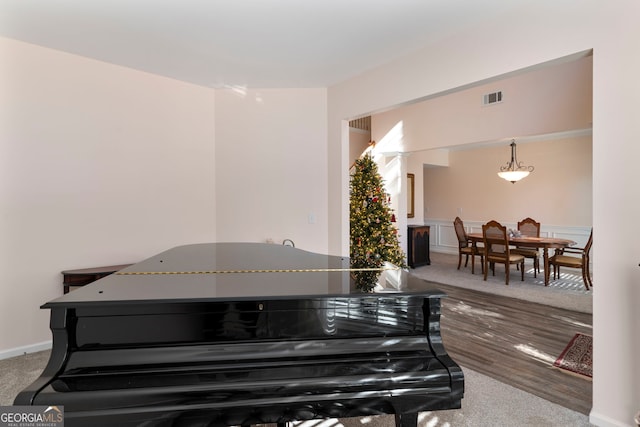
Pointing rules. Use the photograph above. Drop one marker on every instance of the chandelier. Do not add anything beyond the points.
(514, 171)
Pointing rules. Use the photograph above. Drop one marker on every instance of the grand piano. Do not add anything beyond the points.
(241, 334)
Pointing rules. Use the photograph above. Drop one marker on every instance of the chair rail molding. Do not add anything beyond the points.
(442, 236)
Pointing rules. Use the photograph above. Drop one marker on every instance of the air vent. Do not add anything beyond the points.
(492, 98)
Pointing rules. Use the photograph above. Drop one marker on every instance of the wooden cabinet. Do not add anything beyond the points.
(418, 245)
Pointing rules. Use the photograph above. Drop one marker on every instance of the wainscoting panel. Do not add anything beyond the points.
(443, 236)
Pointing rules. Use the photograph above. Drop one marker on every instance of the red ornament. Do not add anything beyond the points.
(393, 217)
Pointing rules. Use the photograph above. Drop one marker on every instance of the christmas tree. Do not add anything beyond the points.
(374, 239)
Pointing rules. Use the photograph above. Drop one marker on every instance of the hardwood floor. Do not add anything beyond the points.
(515, 342)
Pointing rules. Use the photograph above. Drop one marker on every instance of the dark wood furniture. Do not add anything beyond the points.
(418, 245)
(84, 276)
(497, 251)
(466, 247)
(245, 333)
(545, 243)
(529, 227)
(580, 259)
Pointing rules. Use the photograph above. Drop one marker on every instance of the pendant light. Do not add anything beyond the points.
(514, 171)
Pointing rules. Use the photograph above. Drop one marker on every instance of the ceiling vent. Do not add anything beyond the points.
(492, 98)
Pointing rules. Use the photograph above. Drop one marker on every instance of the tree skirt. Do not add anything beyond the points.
(577, 357)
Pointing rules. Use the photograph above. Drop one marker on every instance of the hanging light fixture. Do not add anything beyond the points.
(514, 170)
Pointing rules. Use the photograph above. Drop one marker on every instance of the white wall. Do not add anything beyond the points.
(99, 165)
(271, 171)
(105, 165)
(527, 36)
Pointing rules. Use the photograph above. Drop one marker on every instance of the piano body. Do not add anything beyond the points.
(240, 334)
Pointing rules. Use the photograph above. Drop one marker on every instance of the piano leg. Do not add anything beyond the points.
(406, 419)
(58, 323)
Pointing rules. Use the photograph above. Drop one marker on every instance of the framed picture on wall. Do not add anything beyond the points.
(410, 199)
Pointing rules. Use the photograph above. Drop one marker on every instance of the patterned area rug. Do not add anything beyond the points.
(577, 357)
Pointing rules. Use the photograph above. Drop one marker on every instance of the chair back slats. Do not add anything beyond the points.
(463, 241)
(496, 246)
(495, 239)
(466, 247)
(529, 227)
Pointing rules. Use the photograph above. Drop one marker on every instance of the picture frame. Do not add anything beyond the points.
(410, 195)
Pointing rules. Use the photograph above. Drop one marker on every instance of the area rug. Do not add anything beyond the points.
(577, 357)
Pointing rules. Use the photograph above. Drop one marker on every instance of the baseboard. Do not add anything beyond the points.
(601, 420)
(19, 351)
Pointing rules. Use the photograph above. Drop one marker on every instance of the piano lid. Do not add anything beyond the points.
(234, 271)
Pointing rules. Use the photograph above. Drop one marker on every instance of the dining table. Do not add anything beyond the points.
(544, 243)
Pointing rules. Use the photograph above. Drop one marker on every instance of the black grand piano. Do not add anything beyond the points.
(245, 333)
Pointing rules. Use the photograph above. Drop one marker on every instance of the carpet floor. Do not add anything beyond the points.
(486, 402)
(566, 292)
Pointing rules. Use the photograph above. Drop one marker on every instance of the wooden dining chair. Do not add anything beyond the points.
(496, 250)
(563, 258)
(466, 248)
(530, 228)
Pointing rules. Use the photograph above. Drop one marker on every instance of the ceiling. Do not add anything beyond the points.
(245, 43)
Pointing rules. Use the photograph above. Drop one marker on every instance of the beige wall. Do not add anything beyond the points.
(551, 100)
(558, 192)
(542, 100)
(358, 142)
